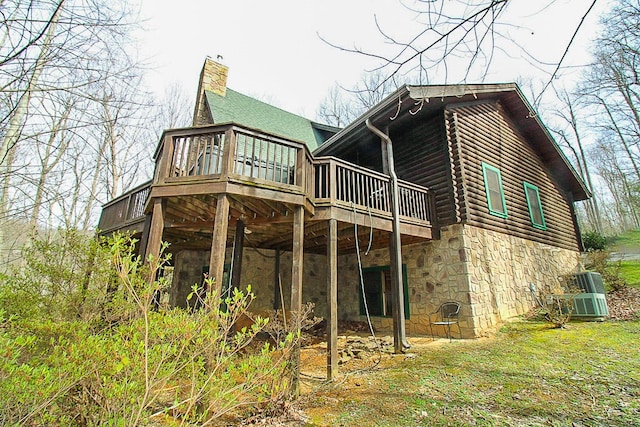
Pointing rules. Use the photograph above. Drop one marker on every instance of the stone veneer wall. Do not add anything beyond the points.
(258, 270)
(213, 78)
(436, 272)
(186, 273)
(488, 272)
(500, 269)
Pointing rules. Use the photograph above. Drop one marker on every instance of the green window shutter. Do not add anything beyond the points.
(493, 188)
(535, 207)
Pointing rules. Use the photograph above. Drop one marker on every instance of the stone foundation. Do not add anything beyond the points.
(436, 272)
(186, 273)
(501, 267)
(259, 271)
(488, 272)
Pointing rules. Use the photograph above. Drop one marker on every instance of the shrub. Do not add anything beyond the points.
(134, 364)
(594, 241)
(64, 277)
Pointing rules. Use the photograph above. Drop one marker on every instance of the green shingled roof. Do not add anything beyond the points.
(244, 110)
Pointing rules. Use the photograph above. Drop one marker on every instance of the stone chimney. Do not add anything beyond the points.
(213, 78)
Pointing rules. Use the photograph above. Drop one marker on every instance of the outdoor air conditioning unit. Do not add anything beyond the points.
(589, 282)
(592, 302)
(592, 305)
(585, 306)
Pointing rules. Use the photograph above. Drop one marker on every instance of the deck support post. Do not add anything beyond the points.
(154, 241)
(219, 244)
(296, 267)
(296, 289)
(397, 303)
(236, 259)
(277, 295)
(332, 299)
(144, 238)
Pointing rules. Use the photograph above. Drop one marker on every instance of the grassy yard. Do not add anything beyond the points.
(528, 375)
(628, 240)
(630, 271)
(628, 243)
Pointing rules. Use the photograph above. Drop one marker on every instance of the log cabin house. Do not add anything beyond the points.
(453, 192)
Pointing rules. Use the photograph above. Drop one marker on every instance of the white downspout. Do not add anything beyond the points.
(399, 336)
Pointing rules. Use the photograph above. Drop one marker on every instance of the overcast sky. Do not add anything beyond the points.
(274, 53)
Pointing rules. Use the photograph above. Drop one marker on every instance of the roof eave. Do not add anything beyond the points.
(580, 193)
(426, 93)
(371, 113)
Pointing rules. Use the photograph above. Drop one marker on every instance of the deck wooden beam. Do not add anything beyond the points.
(332, 299)
(296, 286)
(219, 243)
(155, 230)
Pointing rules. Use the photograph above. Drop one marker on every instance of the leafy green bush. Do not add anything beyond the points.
(125, 363)
(64, 276)
(594, 241)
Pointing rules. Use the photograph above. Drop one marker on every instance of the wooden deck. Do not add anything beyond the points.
(265, 179)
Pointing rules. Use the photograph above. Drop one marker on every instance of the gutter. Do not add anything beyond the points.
(399, 334)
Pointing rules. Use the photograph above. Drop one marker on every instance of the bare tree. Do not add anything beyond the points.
(611, 89)
(173, 108)
(569, 132)
(607, 163)
(341, 106)
(336, 109)
(455, 40)
(50, 153)
(55, 57)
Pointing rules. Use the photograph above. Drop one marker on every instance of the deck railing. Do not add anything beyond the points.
(228, 150)
(340, 182)
(416, 202)
(126, 209)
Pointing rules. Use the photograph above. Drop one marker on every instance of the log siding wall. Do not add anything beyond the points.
(421, 156)
(484, 133)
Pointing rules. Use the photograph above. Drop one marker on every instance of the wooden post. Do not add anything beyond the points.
(385, 157)
(333, 178)
(144, 238)
(219, 243)
(277, 296)
(228, 153)
(297, 255)
(301, 166)
(296, 289)
(397, 304)
(236, 259)
(155, 230)
(332, 299)
(164, 164)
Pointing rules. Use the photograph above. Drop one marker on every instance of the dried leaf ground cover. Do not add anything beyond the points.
(528, 375)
